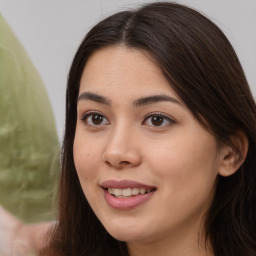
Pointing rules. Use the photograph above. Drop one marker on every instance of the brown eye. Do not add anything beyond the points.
(158, 120)
(95, 119)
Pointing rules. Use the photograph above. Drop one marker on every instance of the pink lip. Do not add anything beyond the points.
(125, 203)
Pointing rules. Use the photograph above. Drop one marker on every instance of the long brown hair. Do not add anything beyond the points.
(202, 67)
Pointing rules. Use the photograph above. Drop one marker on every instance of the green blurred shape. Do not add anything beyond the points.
(29, 148)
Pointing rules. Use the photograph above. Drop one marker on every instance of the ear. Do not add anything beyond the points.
(233, 156)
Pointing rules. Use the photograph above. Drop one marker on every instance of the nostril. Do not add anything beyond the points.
(108, 163)
(124, 163)
(118, 164)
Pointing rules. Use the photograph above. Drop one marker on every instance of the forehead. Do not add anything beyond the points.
(117, 69)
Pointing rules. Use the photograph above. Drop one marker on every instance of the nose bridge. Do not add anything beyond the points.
(122, 149)
(121, 134)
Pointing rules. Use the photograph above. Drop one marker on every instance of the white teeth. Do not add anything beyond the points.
(142, 191)
(135, 191)
(111, 191)
(128, 192)
(148, 190)
(117, 191)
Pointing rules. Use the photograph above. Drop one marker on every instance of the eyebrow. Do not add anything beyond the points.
(93, 97)
(137, 103)
(154, 99)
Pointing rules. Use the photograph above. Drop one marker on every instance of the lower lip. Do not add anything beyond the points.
(126, 203)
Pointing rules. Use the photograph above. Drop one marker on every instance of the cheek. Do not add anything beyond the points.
(186, 176)
(86, 158)
(185, 161)
(85, 163)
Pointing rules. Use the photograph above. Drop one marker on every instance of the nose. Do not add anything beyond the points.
(122, 149)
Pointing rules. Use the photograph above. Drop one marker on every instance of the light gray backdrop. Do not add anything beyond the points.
(51, 30)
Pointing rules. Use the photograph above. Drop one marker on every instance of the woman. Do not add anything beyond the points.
(159, 147)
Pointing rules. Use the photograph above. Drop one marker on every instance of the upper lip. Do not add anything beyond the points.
(124, 184)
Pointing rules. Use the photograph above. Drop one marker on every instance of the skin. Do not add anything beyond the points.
(17, 238)
(178, 157)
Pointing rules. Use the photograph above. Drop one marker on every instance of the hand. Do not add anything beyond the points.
(18, 239)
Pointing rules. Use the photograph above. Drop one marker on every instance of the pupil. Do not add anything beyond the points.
(157, 120)
(97, 119)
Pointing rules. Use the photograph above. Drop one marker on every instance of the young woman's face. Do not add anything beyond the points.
(146, 166)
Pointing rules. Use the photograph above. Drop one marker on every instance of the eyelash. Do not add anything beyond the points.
(153, 114)
(90, 114)
(158, 114)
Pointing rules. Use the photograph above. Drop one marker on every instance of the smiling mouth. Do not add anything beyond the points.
(129, 192)
(126, 194)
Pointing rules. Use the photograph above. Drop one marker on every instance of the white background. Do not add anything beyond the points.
(51, 30)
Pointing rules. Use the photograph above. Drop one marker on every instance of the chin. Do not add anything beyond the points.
(127, 234)
(126, 237)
